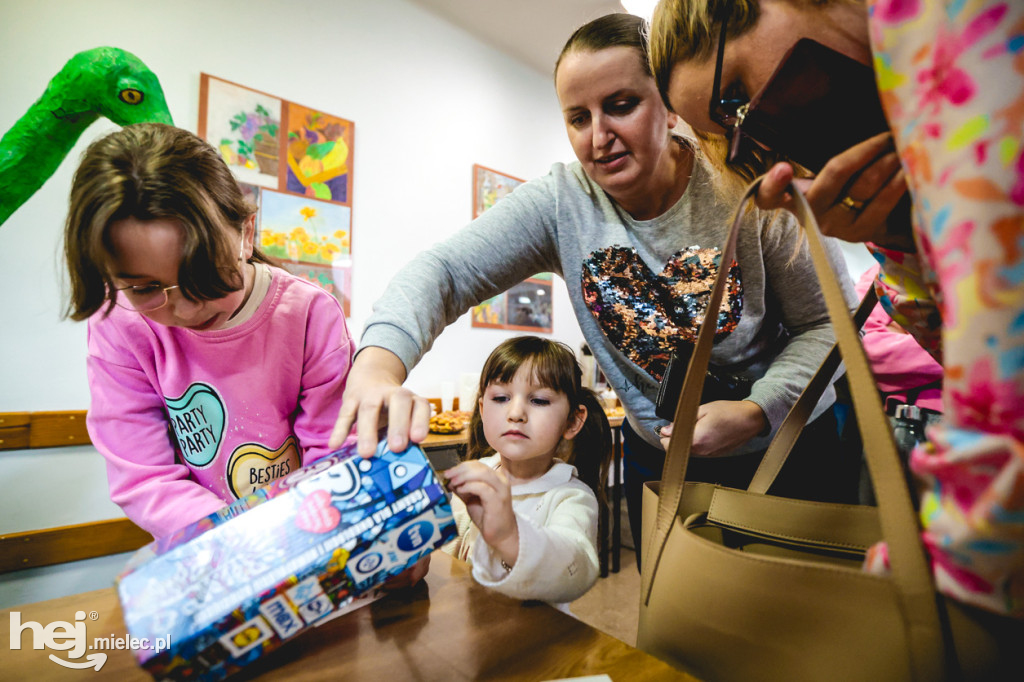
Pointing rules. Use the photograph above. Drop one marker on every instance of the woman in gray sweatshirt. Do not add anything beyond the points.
(634, 227)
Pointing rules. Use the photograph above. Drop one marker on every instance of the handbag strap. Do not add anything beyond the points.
(791, 427)
(909, 569)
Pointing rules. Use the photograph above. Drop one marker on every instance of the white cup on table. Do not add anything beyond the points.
(467, 390)
(447, 395)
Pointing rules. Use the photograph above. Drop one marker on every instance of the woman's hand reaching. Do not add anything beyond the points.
(488, 498)
(853, 196)
(721, 426)
(374, 396)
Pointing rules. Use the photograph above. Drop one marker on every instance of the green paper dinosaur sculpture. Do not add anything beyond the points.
(104, 81)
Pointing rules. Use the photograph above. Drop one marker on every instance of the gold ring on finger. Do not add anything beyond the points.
(851, 204)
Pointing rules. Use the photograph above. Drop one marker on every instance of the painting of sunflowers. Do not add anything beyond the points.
(304, 230)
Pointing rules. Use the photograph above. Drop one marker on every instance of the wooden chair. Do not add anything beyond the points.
(49, 546)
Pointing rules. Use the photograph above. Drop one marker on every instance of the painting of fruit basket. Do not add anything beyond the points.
(318, 154)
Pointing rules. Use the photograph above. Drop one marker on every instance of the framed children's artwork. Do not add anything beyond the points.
(335, 279)
(251, 193)
(304, 230)
(295, 164)
(269, 142)
(524, 307)
(527, 305)
(489, 187)
(318, 154)
(245, 126)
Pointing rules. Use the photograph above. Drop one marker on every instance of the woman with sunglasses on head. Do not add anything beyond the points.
(211, 372)
(634, 227)
(950, 80)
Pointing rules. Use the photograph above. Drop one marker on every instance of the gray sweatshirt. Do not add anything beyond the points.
(638, 288)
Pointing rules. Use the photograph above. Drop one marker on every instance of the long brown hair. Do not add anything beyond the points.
(554, 366)
(151, 171)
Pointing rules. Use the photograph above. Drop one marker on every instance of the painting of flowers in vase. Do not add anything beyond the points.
(244, 125)
(304, 230)
(318, 154)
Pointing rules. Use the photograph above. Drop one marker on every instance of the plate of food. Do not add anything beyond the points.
(452, 421)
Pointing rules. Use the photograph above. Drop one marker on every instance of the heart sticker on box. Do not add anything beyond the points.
(316, 514)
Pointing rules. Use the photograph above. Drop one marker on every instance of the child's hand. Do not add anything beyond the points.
(488, 498)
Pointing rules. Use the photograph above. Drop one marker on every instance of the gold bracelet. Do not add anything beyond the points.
(508, 569)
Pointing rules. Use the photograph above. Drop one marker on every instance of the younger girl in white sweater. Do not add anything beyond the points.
(525, 500)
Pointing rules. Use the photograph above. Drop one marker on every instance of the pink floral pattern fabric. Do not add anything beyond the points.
(951, 74)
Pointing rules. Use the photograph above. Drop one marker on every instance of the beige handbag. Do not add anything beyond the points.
(741, 585)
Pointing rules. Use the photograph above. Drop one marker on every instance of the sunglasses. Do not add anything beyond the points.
(817, 103)
(727, 113)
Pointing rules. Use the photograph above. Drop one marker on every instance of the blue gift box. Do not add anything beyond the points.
(223, 591)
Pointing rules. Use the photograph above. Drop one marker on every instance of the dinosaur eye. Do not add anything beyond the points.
(131, 96)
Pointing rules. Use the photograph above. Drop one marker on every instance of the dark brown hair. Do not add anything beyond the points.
(612, 30)
(554, 366)
(151, 171)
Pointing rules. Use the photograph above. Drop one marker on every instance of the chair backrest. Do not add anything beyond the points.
(49, 546)
(21, 430)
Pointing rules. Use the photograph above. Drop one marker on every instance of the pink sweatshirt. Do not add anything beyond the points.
(899, 363)
(189, 421)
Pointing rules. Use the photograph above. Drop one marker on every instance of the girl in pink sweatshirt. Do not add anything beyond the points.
(211, 372)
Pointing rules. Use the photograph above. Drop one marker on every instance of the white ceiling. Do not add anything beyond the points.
(532, 31)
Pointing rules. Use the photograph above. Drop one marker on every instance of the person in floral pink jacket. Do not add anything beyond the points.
(951, 82)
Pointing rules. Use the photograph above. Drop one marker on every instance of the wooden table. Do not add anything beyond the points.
(458, 441)
(446, 440)
(446, 628)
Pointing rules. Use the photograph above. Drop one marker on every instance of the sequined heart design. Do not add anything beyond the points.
(647, 315)
(316, 514)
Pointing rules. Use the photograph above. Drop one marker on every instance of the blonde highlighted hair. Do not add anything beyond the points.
(687, 30)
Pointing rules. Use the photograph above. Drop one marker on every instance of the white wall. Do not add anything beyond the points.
(427, 99)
